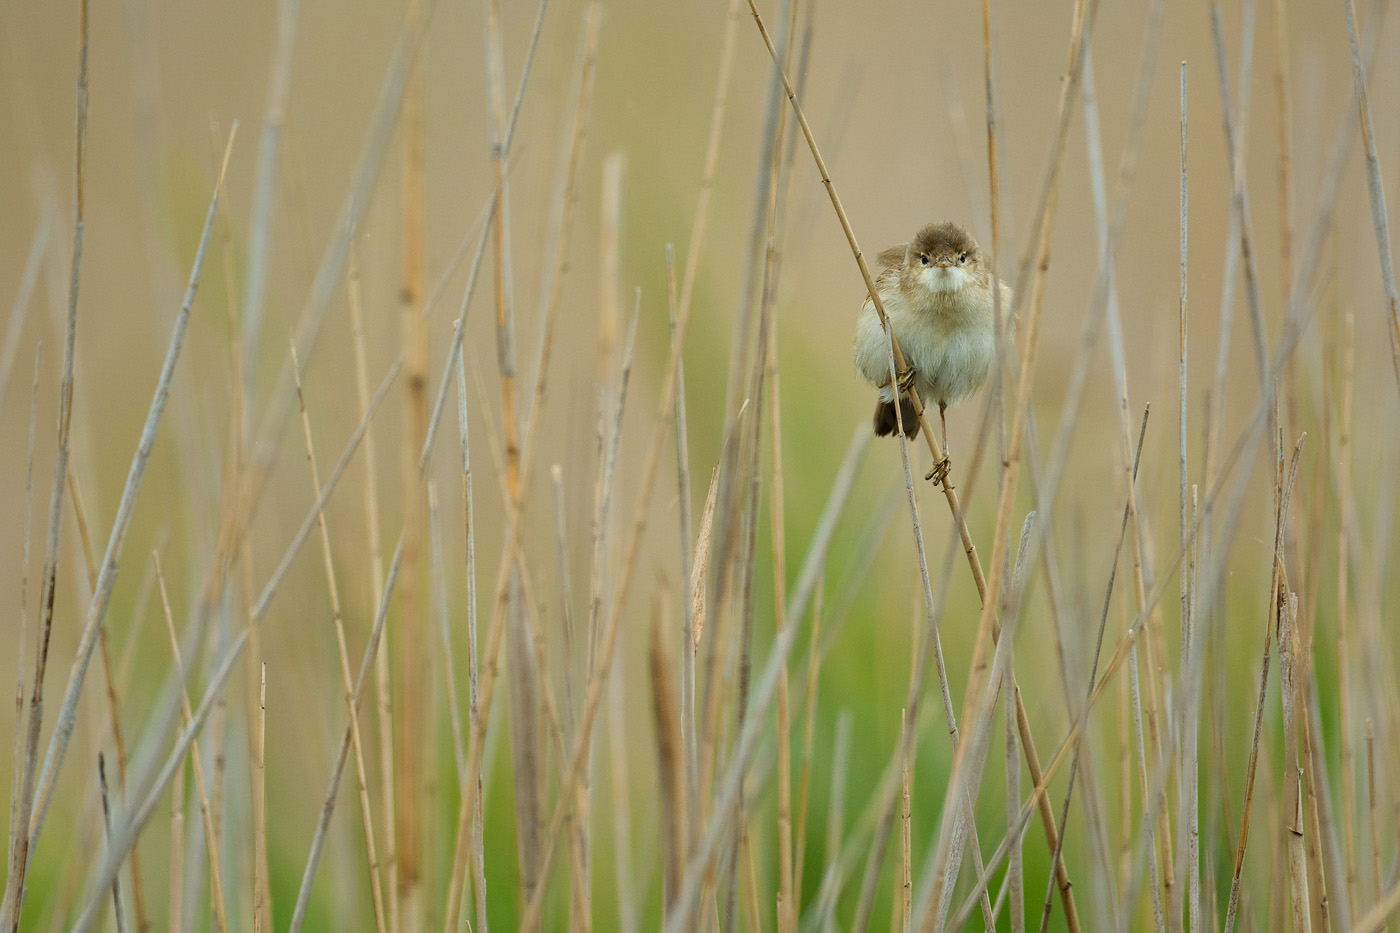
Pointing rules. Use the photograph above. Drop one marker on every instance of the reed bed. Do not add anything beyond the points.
(658, 637)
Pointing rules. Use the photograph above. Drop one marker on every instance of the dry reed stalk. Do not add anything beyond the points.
(905, 875)
(618, 740)
(113, 700)
(1377, 192)
(896, 353)
(17, 755)
(787, 913)
(343, 651)
(477, 842)
(211, 838)
(1292, 799)
(384, 717)
(414, 743)
(261, 898)
(328, 804)
(1316, 809)
(577, 758)
(579, 892)
(1148, 829)
(762, 695)
(1344, 517)
(670, 751)
(1124, 652)
(106, 578)
(1106, 296)
(449, 651)
(932, 443)
(501, 148)
(1015, 870)
(117, 912)
(689, 615)
(1284, 126)
(265, 184)
(352, 211)
(889, 795)
(138, 816)
(177, 854)
(1057, 854)
(1105, 300)
(977, 700)
(525, 745)
(20, 837)
(752, 912)
(1186, 787)
(741, 593)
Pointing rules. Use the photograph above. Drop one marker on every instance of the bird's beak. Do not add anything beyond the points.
(943, 263)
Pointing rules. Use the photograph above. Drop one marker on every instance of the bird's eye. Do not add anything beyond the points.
(923, 258)
(962, 259)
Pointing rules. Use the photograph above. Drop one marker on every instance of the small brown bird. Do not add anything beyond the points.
(937, 293)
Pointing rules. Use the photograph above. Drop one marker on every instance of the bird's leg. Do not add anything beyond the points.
(905, 379)
(938, 474)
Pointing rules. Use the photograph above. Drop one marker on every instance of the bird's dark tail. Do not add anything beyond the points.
(885, 423)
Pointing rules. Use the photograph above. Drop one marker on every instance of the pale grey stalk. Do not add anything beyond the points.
(723, 802)
(836, 805)
(1235, 139)
(117, 912)
(1188, 803)
(473, 654)
(352, 211)
(439, 572)
(328, 805)
(1241, 454)
(1014, 871)
(453, 352)
(687, 700)
(1093, 675)
(125, 837)
(121, 524)
(270, 588)
(1376, 189)
(265, 181)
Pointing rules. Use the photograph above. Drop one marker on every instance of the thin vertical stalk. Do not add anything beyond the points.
(412, 735)
(20, 836)
(382, 685)
(343, 653)
(690, 747)
(328, 804)
(107, 575)
(1344, 651)
(1377, 191)
(261, 907)
(211, 839)
(117, 911)
(906, 855)
(177, 855)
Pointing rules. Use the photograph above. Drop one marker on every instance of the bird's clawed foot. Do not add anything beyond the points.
(938, 474)
(905, 379)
